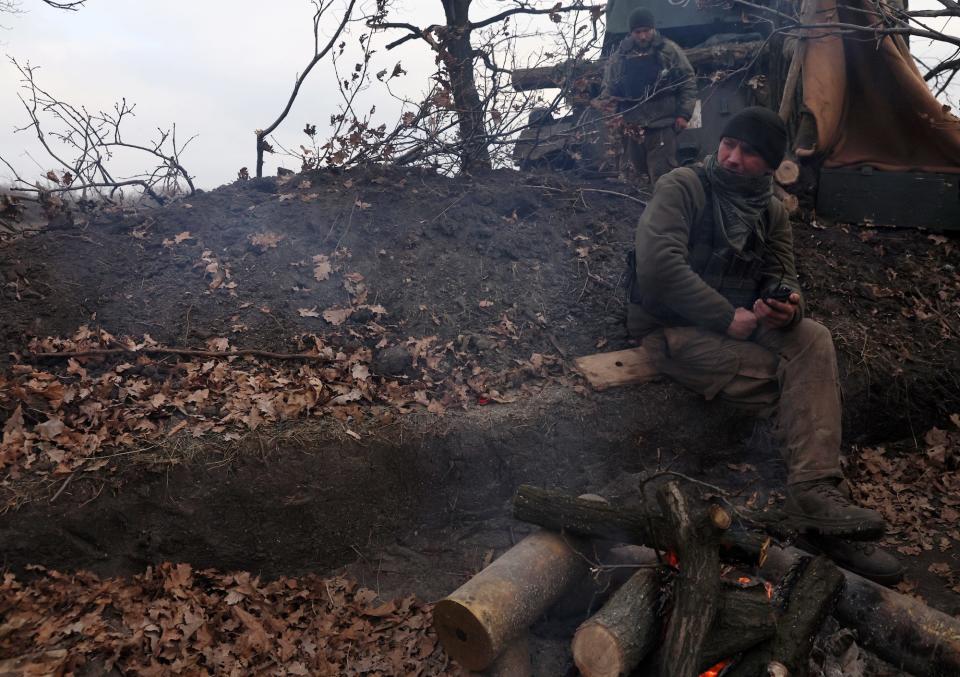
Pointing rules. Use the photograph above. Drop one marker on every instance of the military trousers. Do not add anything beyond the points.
(652, 151)
(789, 374)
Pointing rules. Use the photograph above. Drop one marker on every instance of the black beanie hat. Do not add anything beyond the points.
(761, 128)
(641, 18)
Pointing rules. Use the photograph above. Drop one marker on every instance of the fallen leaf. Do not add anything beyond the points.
(337, 316)
(50, 428)
(308, 312)
(321, 268)
(266, 240)
(218, 344)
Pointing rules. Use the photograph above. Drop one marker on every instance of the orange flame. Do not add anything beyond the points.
(716, 669)
(744, 580)
(769, 588)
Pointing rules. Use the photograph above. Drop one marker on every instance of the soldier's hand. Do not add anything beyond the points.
(744, 323)
(680, 124)
(776, 314)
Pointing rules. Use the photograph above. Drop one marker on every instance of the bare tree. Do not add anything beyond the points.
(82, 144)
(453, 44)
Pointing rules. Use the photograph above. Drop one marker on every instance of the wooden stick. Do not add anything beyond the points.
(178, 351)
(813, 597)
(697, 584)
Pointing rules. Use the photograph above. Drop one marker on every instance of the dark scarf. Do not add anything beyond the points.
(739, 202)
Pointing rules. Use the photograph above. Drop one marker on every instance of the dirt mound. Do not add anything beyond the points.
(427, 326)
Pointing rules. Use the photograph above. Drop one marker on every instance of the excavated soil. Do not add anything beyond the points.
(501, 268)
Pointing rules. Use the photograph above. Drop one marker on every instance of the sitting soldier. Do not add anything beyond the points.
(717, 304)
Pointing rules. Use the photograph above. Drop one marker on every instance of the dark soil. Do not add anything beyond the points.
(418, 503)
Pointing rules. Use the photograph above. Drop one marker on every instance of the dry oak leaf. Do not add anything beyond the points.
(266, 240)
(308, 312)
(178, 238)
(218, 344)
(50, 428)
(337, 316)
(321, 267)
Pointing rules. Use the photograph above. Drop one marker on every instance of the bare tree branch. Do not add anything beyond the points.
(317, 56)
(91, 138)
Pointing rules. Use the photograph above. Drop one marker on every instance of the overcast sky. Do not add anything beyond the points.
(217, 68)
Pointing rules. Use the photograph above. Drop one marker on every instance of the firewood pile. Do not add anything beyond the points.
(708, 594)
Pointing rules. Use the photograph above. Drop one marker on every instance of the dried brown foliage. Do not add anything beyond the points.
(174, 620)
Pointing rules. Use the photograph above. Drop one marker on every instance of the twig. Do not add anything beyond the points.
(177, 351)
(556, 344)
(63, 486)
(592, 190)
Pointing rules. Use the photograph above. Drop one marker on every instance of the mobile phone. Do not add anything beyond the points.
(781, 293)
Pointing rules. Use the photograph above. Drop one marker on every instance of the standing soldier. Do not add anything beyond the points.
(651, 84)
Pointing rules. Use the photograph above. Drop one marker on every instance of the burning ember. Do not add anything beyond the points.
(716, 670)
(747, 582)
(670, 557)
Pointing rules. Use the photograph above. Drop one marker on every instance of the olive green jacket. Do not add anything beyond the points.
(677, 87)
(662, 251)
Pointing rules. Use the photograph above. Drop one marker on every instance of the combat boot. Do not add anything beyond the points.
(821, 507)
(863, 559)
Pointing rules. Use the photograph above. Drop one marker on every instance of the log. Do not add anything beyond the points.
(513, 661)
(812, 598)
(787, 173)
(900, 629)
(616, 566)
(642, 525)
(477, 621)
(624, 631)
(618, 637)
(697, 584)
(703, 60)
(744, 620)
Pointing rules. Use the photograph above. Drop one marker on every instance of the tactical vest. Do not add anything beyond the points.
(737, 276)
(640, 74)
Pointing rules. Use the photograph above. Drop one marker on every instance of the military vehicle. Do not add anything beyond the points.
(877, 163)
(718, 43)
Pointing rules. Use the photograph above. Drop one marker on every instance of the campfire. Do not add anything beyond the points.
(700, 598)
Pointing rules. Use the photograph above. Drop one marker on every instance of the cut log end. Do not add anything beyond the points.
(721, 518)
(787, 173)
(597, 651)
(462, 635)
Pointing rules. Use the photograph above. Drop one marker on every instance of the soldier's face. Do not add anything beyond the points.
(740, 157)
(643, 36)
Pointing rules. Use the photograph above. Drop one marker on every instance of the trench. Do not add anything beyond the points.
(312, 502)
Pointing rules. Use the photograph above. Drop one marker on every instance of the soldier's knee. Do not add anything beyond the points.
(811, 335)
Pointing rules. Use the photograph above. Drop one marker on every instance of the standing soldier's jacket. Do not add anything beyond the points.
(655, 88)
